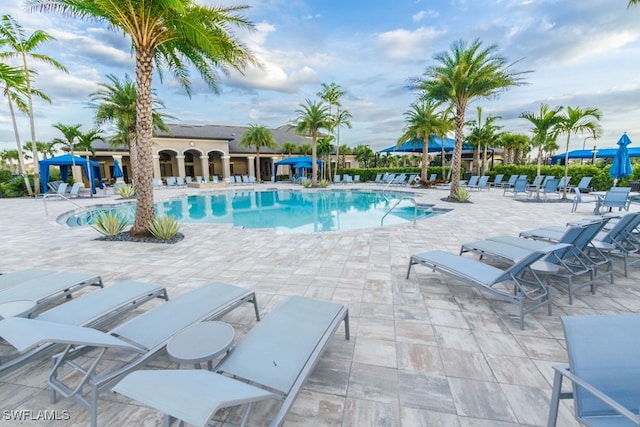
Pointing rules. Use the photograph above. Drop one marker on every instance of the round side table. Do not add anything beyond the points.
(201, 342)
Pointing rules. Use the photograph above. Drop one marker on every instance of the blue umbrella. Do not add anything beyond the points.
(117, 170)
(621, 165)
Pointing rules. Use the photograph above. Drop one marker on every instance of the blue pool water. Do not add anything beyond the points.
(283, 211)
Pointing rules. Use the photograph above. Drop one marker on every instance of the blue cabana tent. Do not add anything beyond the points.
(601, 153)
(65, 162)
(415, 146)
(303, 162)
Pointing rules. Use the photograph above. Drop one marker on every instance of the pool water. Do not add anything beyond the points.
(284, 211)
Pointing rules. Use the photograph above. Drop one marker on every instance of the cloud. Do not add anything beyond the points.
(424, 14)
(402, 44)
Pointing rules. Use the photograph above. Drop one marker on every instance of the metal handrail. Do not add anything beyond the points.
(44, 200)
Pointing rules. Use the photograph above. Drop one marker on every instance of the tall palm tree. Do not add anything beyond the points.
(172, 34)
(514, 145)
(115, 103)
(545, 130)
(578, 120)
(422, 121)
(258, 136)
(305, 148)
(310, 119)
(468, 72)
(9, 156)
(364, 154)
(633, 3)
(331, 94)
(12, 34)
(14, 87)
(341, 118)
(325, 148)
(44, 148)
(289, 147)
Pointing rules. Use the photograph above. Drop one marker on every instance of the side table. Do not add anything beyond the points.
(201, 342)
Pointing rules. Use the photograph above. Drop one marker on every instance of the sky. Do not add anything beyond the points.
(577, 53)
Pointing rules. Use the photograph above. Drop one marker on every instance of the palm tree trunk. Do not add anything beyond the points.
(133, 153)
(425, 155)
(144, 189)
(314, 156)
(23, 172)
(566, 167)
(456, 157)
(34, 147)
(258, 174)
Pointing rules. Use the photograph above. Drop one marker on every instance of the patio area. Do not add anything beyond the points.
(424, 351)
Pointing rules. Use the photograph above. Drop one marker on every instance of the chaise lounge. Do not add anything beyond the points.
(272, 361)
(82, 374)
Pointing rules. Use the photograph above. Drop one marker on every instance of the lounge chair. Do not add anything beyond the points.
(15, 278)
(336, 179)
(347, 179)
(91, 310)
(245, 179)
(272, 361)
(78, 368)
(472, 183)
(401, 179)
(59, 193)
(563, 182)
(252, 179)
(433, 177)
(536, 183)
(180, 181)
(75, 190)
(497, 181)
(550, 186)
(520, 187)
(580, 198)
(483, 183)
(510, 182)
(157, 183)
(188, 180)
(566, 263)
(45, 290)
(604, 369)
(356, 179)
(617, 197)
(171, 181)
(199, 179)
(488, 278)
(378, 179)
(583, 185)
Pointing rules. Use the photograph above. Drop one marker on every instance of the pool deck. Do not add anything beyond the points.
(424, 351)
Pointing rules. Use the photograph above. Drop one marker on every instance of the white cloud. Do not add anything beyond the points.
(401, 43)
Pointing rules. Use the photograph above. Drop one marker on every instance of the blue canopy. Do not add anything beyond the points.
(435, 144)
(303, 162)
(65, 162)
(601, 153)
(621, 165)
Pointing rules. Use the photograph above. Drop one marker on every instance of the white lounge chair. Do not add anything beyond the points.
(60, 192)
(91, 310)
(78, 369)
(272, 361)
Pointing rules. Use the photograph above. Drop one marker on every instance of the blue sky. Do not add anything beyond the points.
(583, 54)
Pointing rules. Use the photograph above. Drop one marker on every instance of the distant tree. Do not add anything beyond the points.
(258, 136)
(85, 143)
(311, 118)
(545, 130)
(514, 145)
(364, 155)
(70, 138)
(45, 148)
(289, 147)
(482, 136)
(305, 149)
(421, 122)
(325, 148)
(331, 94)
(468, 72)
(116, 103)
(578, 120)
(12, 35)
(8, 157)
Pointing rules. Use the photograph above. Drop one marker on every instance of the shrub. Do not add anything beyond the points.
(306, 183)
(462, 194)
(110, 224)
(324, 183)
(164, 227)
(125, 191)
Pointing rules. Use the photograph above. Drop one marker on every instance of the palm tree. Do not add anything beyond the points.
(482, 136)
(364, 154)
(8, 156)
(341, 118)
(462, 75)
(633, 3)
(331, 94)
(305, 148)
(172, 34)
(70, 140)
(13, 81)
(422, 121)
(289, 147)
(258, 136)
(44, 148)
(85, 143)
(545, 129)
(514, 145)
(311, 118)
(115, 103)
(325, 148)
(12, 34)
(577, 120)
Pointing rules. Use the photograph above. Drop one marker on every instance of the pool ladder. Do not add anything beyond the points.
(415, 211)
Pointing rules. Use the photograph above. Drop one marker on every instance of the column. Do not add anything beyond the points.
(204, 165)
(181, 170)
(251, 163)
(226, 168)
(156, 167)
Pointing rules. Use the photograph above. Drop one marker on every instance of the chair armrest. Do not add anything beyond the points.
(613, 404)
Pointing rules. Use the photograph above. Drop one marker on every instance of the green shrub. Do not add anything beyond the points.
(125, 191)
(15, 187)
(462, 194)
(324, 183)
(306, 183)
(110, 224)
(164, 227)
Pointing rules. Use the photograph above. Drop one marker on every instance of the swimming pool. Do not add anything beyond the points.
(285, 211)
